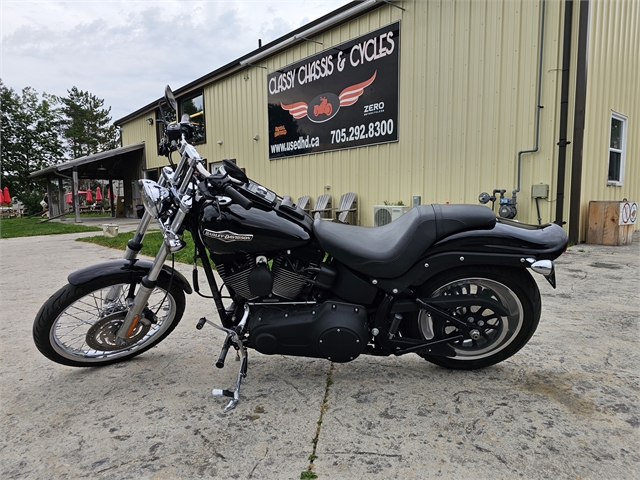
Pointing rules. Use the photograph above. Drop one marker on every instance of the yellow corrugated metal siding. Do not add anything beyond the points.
(139, 131)
(468, 85)
(468, 81)
(614, 70)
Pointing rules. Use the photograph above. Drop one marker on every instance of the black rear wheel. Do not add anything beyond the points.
(77, 326)
(500, 331)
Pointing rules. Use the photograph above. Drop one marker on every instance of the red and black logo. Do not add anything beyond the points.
(326, 105)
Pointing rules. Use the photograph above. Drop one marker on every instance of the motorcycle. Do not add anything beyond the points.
(450, 283)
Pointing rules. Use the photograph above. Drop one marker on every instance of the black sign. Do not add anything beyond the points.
(343, 97)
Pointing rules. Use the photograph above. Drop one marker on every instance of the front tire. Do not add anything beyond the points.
(77, 325)
(502, 335)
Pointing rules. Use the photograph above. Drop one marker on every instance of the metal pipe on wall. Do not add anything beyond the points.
(539, 96)
(564, 111)
(579, 123)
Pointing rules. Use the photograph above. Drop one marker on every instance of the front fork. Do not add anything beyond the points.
(171, 244)
(147, 285)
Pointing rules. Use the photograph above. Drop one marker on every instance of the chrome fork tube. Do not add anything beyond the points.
(138, 237)
(147, 285)
(143, 226)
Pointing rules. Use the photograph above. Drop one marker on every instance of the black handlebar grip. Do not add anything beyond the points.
(237, 197)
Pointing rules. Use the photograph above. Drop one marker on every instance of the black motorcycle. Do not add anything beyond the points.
(450, 283)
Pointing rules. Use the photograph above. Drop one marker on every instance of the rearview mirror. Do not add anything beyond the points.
(170, 98)
(234, 171)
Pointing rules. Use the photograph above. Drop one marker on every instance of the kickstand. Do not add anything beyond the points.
(242, 373)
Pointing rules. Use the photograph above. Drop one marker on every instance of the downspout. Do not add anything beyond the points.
(538, 106)
(579, 122)
(564, 111)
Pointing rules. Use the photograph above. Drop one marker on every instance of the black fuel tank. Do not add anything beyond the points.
(256, 230)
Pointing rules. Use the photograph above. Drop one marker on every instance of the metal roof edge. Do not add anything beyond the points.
(86, 159)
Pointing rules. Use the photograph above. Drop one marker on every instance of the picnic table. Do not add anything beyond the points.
(91, 209)
(10, 212)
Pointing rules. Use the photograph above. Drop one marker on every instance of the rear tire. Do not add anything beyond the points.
(77, 325)
(502, 337)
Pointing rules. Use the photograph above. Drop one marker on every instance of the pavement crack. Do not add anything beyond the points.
(309, 473)
(258, 462)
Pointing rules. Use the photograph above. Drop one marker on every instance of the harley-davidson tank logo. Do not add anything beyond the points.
(325, 106)
(227, 236)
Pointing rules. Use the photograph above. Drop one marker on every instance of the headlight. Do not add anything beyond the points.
(154, 197)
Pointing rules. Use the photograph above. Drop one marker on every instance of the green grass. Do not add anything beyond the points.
(29, 227)
(151, 244)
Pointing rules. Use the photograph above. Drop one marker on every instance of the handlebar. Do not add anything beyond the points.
(237, 197)
(223, 188)
(227, 189)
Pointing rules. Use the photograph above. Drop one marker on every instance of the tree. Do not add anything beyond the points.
(86, 125)
(30, 140)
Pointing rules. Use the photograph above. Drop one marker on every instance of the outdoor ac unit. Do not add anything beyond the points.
(383, 214)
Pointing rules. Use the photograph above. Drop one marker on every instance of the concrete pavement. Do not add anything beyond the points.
(566, 406)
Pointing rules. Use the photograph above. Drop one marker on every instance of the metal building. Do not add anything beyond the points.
(437, 99)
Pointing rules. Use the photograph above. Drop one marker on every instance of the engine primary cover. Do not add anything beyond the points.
(333, 330)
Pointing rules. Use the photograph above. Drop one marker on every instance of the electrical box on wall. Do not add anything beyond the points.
(541, 190)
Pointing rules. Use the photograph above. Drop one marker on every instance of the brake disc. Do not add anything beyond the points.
(102, 334)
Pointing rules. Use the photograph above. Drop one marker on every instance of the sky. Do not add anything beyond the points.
(125, 52)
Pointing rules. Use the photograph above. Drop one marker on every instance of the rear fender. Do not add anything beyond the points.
(136, 268)
(508, 244)
(544, 242)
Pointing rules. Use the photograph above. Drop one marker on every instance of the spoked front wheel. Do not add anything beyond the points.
(77, 326)
(501, 306)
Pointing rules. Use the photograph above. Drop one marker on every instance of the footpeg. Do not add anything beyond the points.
(222, 393)
(225, 350)
(394, 325)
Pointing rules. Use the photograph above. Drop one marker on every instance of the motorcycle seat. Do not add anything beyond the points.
(391, 250)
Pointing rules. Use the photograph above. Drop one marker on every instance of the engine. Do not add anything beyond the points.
(251, 277)
(331, 329)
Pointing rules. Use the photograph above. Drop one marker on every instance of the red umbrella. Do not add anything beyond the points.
(7, 197)
(109, 195)
(89, 196)
(1, 198)
(98, 195)
(68, 198)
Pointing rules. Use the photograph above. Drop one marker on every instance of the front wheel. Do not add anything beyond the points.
(499, 334)
(77, 326)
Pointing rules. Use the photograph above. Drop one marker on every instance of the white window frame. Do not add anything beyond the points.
(622, 150)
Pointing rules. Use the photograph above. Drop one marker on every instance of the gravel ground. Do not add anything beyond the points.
(566, 406)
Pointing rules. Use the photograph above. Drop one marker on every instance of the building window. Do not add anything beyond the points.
(617, 144)
(194, 106)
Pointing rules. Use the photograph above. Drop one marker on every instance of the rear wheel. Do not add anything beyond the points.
(77, 326)
(500, 331)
